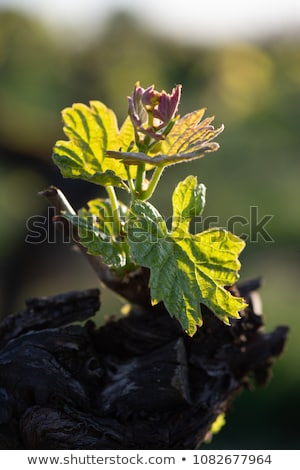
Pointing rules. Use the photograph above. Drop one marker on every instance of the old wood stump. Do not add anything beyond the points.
(138, 382)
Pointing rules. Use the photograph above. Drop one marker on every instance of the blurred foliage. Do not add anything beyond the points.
(254, 89)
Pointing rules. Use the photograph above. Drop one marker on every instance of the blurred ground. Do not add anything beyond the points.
(253, 88)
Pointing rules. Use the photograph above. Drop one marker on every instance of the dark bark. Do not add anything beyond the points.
(136, 383)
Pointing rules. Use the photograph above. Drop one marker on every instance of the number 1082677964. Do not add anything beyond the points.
(231, 459)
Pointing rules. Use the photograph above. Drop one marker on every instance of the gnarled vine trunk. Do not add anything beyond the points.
(135, 383)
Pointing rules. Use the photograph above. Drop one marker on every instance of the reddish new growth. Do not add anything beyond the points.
(151, 111)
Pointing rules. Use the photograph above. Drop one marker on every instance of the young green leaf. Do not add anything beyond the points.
(186, 269)
(188, 202)
(91, 131)
(99, 214)
(191, 135)
(126, 136)
(95, 226)
(189, 139)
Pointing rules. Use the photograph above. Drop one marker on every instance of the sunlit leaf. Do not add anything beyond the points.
(91, 131)
(186, 270)
(126, 136)
(189, 139)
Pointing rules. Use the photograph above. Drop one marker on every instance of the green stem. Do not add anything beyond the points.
(140, 175)
(115, 210)
(153, 183)
(129, 179)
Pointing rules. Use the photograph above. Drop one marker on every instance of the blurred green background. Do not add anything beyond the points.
(253, 87)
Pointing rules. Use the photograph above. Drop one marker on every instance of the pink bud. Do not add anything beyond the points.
(151, 110)
(168, 105)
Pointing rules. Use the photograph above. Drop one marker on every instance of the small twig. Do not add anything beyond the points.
(57, 199)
